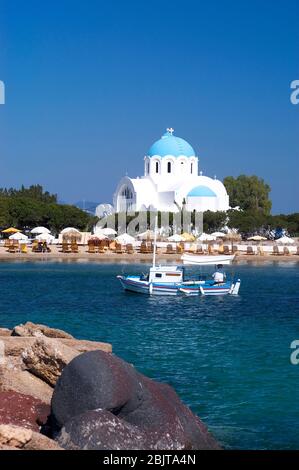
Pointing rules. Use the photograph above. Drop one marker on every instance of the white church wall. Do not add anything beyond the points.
(202, 204)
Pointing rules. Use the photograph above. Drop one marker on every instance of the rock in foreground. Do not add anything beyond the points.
(102, 402)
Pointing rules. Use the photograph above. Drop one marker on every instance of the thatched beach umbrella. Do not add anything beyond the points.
(71, 233)
(233, 237)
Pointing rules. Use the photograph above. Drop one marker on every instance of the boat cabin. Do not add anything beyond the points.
(166, 274)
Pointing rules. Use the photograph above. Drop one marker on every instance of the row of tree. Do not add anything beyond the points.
(26, 208)
(30, 207)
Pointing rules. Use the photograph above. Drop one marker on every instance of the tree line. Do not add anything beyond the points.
(26, 208)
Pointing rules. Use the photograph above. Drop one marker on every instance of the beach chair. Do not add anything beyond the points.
(275, 251)
(143, 247)
(191, 249)
(170, 250)
(74, 247)
(7, 243)
(199, 250)
(118, 248)
(150, 248)
(235, 249)
(249, 250)
(226, 250)
(286, 251)
(260, 251)
(129, 249)
(34, 247)
(65, 247)
(91, 248)
(23, 248)
(297, 252)
(179, 249)
(12, 248)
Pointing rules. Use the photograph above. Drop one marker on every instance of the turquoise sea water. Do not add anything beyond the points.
(228, 358)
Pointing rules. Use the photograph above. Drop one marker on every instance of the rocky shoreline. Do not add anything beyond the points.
(58, 392)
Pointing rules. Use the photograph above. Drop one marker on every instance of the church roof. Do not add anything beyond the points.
(201, 191)
(171, 145)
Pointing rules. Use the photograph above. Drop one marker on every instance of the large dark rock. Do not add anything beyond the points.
(95, 380)
(100, 430)
(149, 413)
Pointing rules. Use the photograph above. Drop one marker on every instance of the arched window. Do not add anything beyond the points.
(168, 167)
(148, 168)
(191, 168)
(157, 167)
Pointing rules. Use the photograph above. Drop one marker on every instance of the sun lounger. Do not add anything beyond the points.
(170, 250)
(74, 247)
(118, 248)
(226, 250)
(91, 248)
(249, 250)
(129, 249)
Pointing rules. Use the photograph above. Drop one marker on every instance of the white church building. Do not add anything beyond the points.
(171, 179)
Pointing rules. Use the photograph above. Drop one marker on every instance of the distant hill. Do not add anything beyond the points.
(88, 206)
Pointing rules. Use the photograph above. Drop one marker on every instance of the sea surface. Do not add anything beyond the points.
(227, 357)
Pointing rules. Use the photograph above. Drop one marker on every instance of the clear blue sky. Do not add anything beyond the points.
(90, 85)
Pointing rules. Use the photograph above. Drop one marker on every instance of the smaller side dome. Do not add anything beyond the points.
(201, 191)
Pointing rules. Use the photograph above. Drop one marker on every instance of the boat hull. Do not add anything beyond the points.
(135, 284)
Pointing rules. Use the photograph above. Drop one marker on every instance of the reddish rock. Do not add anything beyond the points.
(22, 410)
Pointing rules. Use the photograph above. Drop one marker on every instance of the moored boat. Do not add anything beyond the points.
(171, 280)
(206, 260)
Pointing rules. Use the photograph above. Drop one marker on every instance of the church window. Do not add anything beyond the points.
(191, 168)
(148, 168)
(169, 167)
(157, 167)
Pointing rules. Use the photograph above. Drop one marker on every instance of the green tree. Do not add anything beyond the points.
(250, 193)
(214, 221)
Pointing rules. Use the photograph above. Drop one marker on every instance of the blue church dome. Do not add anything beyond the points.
(171, 145)
(201, 191)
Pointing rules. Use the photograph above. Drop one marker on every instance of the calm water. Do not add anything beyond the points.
(228, 358)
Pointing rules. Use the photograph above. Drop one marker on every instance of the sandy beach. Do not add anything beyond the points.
(109, 256)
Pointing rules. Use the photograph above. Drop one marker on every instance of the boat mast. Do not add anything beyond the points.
(155, 242)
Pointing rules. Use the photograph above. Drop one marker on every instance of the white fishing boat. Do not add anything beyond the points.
(205, 260)
(171, 280)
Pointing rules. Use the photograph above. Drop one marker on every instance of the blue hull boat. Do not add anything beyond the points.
(145, 286)
(170, 280)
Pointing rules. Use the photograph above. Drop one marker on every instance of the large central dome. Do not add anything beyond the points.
(171, 145)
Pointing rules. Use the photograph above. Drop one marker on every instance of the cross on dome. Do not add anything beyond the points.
(170, 130)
